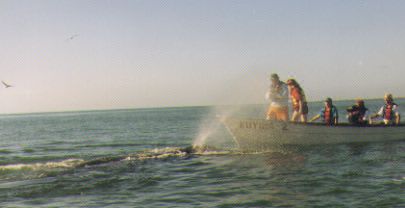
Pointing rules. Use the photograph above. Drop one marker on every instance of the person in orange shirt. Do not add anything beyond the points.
(299, 102)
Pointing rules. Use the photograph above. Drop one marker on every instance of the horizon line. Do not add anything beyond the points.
(167, 107)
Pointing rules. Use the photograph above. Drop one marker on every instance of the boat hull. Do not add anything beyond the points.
(260, 134)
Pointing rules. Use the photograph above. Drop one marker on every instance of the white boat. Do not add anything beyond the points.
(260, 134)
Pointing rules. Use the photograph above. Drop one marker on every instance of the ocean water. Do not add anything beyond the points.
(146, 158)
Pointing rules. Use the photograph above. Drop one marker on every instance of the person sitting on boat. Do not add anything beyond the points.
(278, 96)
(389, 112)
(358, 113)
(329, 113)
(299, 102)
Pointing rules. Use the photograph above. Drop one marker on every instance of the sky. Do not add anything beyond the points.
(150, 53)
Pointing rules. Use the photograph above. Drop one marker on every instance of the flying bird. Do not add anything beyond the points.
(72, 37)
(6, 85)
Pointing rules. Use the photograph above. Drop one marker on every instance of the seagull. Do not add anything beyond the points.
(72, 37)
(6, 85)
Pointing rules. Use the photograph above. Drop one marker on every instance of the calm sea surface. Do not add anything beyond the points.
(144, 158)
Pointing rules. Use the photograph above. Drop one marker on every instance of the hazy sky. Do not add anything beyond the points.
(131, 54)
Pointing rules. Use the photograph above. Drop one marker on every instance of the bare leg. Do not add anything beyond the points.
(295, 116)
(268, 113)
(271, 115)
(304, 118)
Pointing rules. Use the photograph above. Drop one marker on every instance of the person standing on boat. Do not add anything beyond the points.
(299, 102)
(329, 114)
(358, 113)
(278, 96)
(389, 112)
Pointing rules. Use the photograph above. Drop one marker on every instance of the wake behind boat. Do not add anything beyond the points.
(261, 134)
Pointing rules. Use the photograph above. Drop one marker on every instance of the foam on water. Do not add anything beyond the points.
(159, 154)
(69, 163)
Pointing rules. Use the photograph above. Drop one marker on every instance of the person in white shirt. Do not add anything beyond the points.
(389, 112)
(278, 96)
